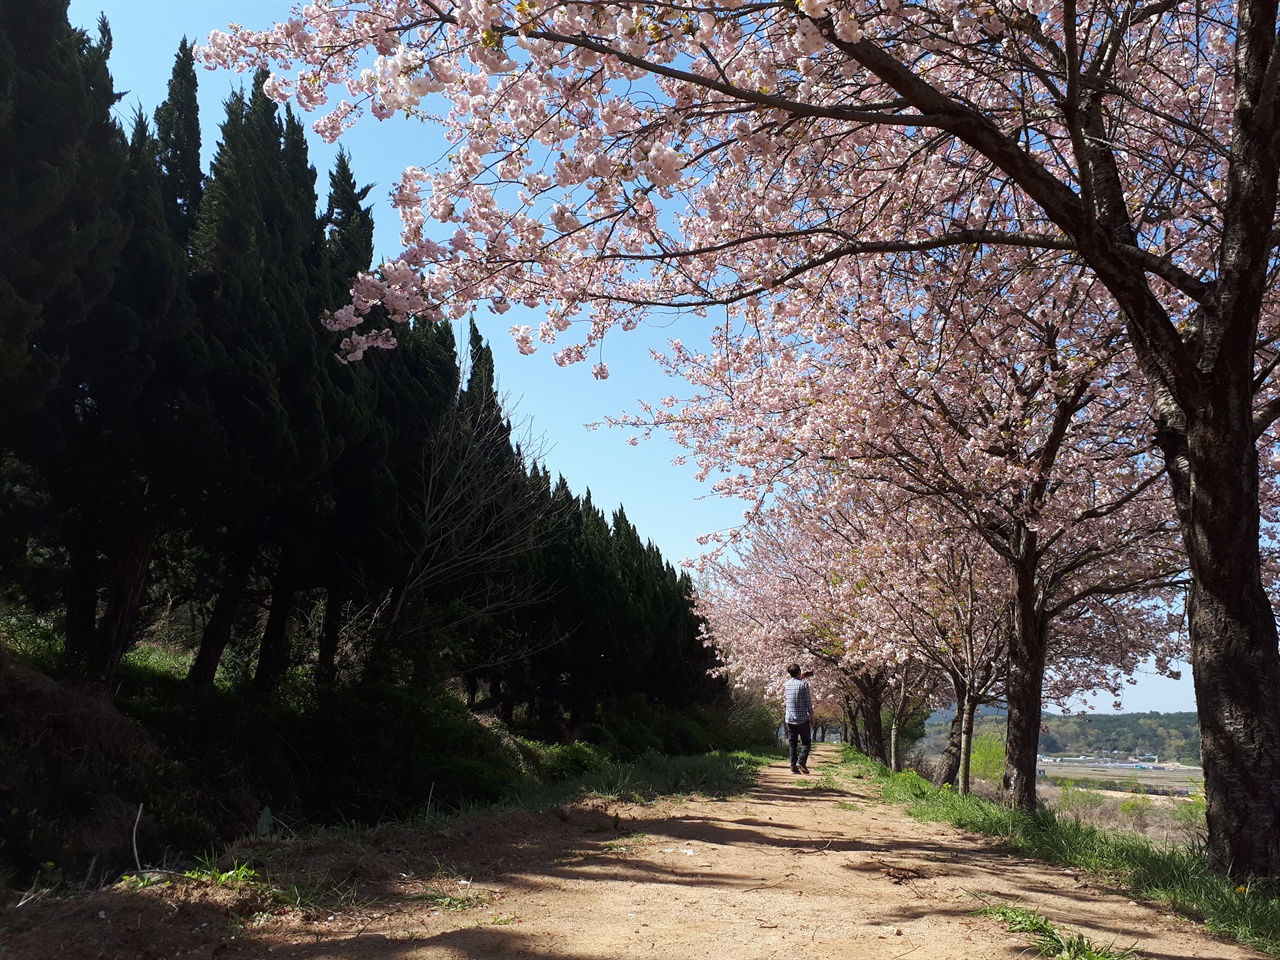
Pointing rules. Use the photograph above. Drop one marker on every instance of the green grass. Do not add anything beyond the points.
(1049, 940)
(717, 775)
(1175, 875)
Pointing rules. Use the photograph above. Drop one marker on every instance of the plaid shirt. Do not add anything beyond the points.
(798, 699)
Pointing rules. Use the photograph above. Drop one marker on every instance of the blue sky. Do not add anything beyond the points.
(666, 502)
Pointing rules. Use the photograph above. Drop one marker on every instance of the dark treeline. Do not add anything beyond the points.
(302, 577)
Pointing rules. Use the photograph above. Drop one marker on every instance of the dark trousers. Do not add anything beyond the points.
(799, 751)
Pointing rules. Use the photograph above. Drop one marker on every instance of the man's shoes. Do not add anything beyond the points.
(804, 769)
(796, 770)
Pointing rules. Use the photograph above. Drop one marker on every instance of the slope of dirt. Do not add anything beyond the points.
(790, 871)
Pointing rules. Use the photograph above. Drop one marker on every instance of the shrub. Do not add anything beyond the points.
(986, 759)
(381, 752)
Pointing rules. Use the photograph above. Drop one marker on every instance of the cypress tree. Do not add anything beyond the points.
(178, 132)
(107, 437)
(232, 245)
(61, 161)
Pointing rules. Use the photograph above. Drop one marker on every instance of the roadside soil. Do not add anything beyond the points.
(794, 870)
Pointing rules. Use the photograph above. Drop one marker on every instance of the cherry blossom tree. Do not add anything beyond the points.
(613, 158)
(778, 601)
(1017, 421)
(942, 598)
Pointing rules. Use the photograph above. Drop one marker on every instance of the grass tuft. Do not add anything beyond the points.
(1049, 940)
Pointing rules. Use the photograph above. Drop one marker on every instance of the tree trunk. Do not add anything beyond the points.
(871, 707)
(949, 766)
(966, 712)
(217, 632)
(327, 648)
(1234, 657)
(895, 758)
(854, 737)
(81, 597)
(1025, 683)
(128, 584)
(275, 653)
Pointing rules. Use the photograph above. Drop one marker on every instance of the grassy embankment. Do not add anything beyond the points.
(310, 869)
(1173, 873)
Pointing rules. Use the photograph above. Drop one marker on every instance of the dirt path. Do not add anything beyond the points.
(791, 872)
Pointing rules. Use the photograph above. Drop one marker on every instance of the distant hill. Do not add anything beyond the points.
(1169, 736)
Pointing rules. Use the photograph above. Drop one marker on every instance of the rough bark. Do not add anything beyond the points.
(217, 632)
(275, 653)
(128, 584)
(1235, 664)
(1025, 682)
(966, 714)
(853, 734)
(871, 709)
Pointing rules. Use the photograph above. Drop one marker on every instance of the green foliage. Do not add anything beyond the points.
(911, 730)
(1191, 813)
(380, 753)
(1136, 808)
(986, 761)
(178, 133)
(559, 762)
(62, 155)
(32, 637)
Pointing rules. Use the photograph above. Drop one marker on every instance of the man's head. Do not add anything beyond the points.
(794, 669)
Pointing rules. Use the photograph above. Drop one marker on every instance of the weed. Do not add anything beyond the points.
(209, 871)
(716, 775)
(1051, 942)
(1137, 808)
(444, 900)
(142, 881)
(1018, 919)
(317, 895)
(623, 843)
(825, 780)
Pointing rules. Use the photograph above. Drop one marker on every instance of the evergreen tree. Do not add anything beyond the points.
(178, 131)
(61, 161)
(250, 286)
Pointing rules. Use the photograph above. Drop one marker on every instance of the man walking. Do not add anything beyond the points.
(798, 716)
